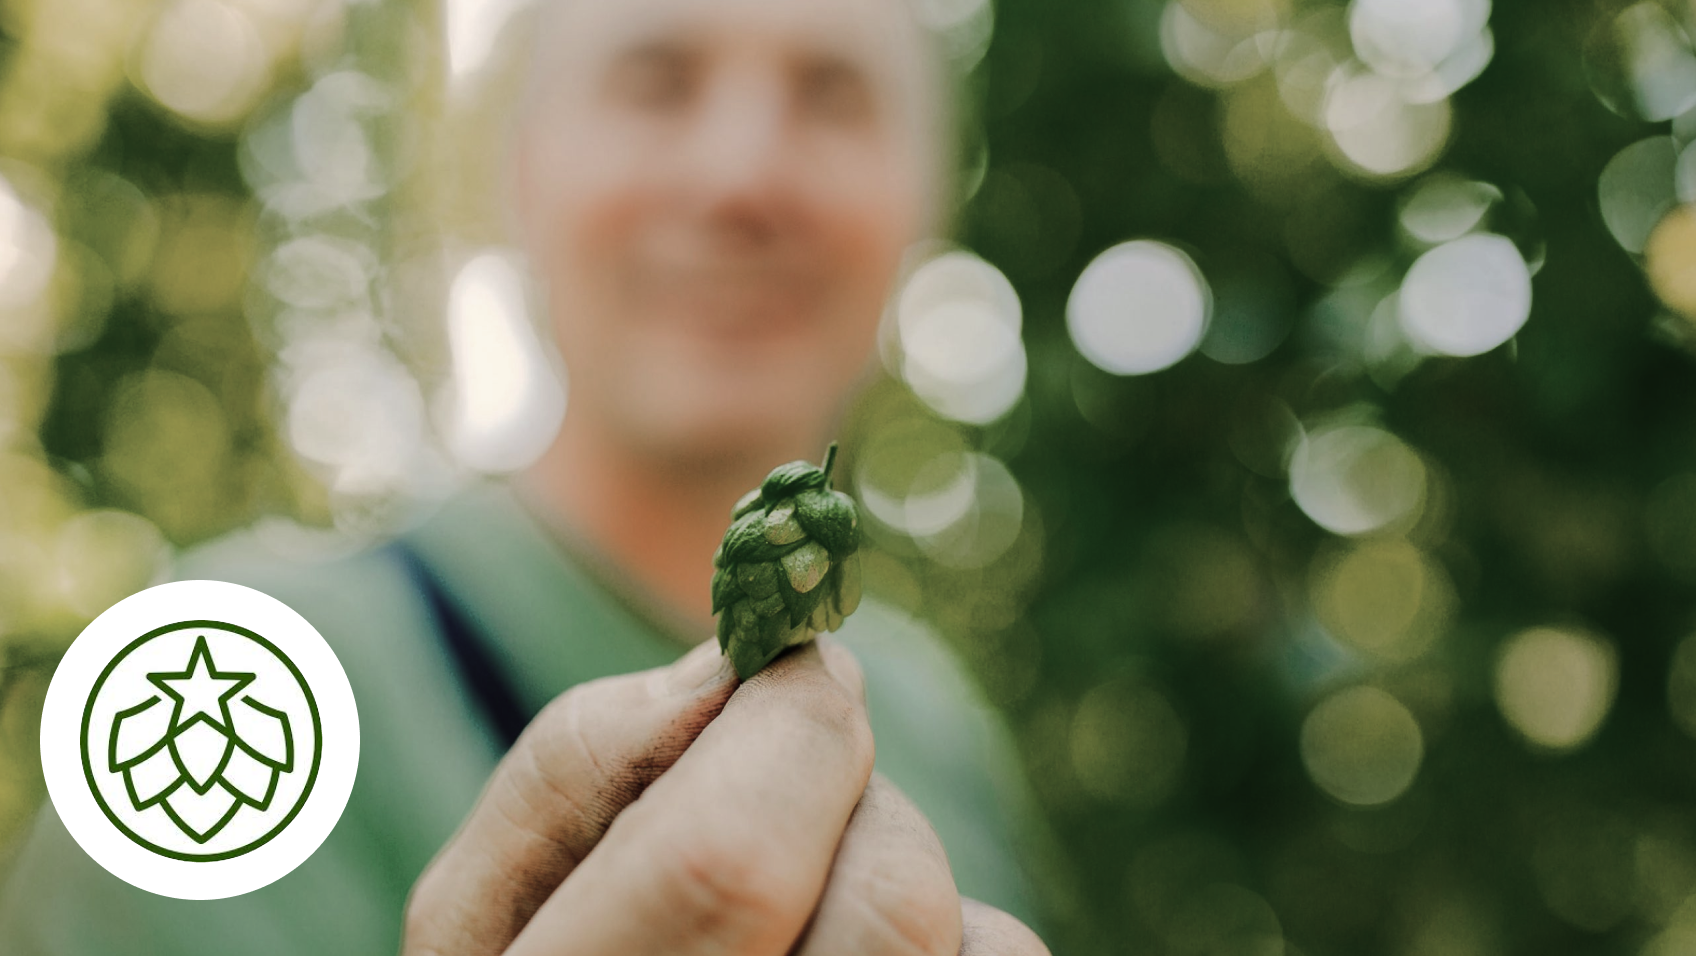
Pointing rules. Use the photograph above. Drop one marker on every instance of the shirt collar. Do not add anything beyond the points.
(547, 614)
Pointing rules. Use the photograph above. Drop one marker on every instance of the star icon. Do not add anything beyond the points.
(201, 689)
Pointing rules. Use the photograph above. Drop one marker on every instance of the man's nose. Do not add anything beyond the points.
(741, 143)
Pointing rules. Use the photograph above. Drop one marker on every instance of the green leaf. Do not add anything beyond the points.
(806, 566)
(749, 656)
(799, 604)
(725, 589)
(781, 526)
(769, 606)
(788, 479)
(775, 627)
(849, 584)
(746, 616)
(745, 541)
(747, 503)
(757, 580)
(830, 518)
(726, 624)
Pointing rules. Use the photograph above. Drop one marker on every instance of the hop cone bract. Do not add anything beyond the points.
(787, 568)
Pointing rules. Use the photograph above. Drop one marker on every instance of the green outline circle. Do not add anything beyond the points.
(311, 776)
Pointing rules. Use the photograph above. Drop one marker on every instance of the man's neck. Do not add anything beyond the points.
(657, 519)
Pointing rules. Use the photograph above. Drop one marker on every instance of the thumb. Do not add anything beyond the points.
(590, 753)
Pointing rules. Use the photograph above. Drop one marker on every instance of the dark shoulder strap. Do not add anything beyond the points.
(469, 648)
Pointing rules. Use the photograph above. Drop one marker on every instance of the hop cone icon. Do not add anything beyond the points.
(200, 749)
(787, 569)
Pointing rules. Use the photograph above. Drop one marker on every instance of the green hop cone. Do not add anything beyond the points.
(787, 568)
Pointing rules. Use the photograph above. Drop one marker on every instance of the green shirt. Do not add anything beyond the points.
(549, 621)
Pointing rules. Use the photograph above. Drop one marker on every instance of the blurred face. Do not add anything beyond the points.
(717, 194)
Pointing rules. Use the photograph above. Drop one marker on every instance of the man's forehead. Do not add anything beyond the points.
(592, 30)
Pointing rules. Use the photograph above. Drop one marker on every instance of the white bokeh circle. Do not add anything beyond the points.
(1138, 307)
(247, 862)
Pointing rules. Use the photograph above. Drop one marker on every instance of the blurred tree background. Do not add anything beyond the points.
(1299, 444)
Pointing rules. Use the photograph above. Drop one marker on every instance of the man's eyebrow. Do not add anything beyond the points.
(643, 48)
(834, 59)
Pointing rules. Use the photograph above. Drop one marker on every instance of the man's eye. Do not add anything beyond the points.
(834, 92)
(656, 80)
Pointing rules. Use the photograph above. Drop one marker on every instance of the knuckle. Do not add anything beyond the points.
(555, 741)
(422, 923)
(988, 931)
(558, 783)
(728, 891)
(843, 665)
(907, 912)
(830, 712)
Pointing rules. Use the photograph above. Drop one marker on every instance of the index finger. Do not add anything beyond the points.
(728, 851)
(589, 753)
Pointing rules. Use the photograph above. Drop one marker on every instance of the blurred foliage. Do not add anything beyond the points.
(1246, 728)
(136, 410)
(1367, 629)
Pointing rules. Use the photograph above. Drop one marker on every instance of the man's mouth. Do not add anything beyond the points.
(732, 299)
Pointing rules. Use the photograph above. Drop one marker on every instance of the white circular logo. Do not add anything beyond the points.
(199, 739)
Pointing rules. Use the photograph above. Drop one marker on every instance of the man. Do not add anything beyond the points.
(716, 194)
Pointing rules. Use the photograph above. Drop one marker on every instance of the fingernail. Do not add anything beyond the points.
(696, 669)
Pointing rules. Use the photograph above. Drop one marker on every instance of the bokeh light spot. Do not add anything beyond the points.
(28, 249)
(1411, 38)
(1641, 65)
(1684, 172)
(506, 400)
(976, 516)
(1555, 686)
(1671, 260)
(328, 142)
(1270, 150)
(1355, 479)
(1128, 743)
(201, 262)
(1211, 52)
(964, 28)
(356, 410)
(1362, 746)
(1637, 187)
(1138, 307)
(959, 319)
(963, 509)
(1466, 296)
(168, 451)
(1444, 207)
(1226, 919)
(1383, 597)
(320, 272)
(1681, 686)
(205, 60)
(1377, 130)
(472, 27)
(1306, 57)
(104, 556)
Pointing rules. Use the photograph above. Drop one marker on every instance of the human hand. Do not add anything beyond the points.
(676, 811)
